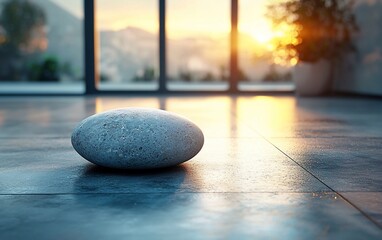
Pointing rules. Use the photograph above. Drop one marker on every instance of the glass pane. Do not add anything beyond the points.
(128, 43)
(41, 46)
(198, 46)
(260, 66)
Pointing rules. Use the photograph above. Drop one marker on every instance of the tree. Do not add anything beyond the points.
(20, 21)
(322, 28)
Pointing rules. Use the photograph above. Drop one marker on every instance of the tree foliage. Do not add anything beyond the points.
(324, 28)
(18, 19)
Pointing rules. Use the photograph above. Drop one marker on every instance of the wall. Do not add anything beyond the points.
(362, 72)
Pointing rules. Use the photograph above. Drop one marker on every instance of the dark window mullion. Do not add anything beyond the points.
(162, 46)
(89, 45)
(233, 81)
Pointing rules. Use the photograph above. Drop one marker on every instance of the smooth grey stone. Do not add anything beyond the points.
(137, 138)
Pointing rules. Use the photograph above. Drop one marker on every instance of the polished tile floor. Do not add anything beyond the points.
(271, 168)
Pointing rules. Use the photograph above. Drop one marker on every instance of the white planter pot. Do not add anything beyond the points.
(312, 79)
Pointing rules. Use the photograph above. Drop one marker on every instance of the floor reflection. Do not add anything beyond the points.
(235, 158)
(105, 104)
(214, 115)
(270, 116)
(240, 186)
(2, 118)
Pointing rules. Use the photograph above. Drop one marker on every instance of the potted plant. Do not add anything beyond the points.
(321, 33)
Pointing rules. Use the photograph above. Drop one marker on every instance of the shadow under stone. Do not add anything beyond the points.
(130, 191)
(95, 179)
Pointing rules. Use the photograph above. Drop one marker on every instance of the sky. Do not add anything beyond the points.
(184, 17)
(73, 6)
(189, 19)
(119, 14)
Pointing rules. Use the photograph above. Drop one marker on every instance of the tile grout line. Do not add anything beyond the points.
(338, 193)
(187, 192)
(313, 175)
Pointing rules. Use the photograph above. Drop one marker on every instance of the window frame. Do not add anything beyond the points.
(91, 59)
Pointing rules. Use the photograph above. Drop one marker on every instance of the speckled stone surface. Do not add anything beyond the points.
(137, 138)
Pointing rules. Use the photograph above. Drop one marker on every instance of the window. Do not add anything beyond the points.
(41, 46)
(128, 44)
(198, 44)
(259, 67)
(139, 46)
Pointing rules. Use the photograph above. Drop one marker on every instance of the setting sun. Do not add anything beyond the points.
(198, 39)
(262, 33)
(265, 38)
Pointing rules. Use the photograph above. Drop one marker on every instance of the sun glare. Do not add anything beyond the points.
(266, 38)
(262, 34)
(258, 37)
